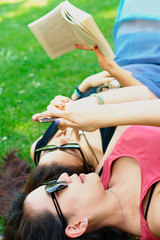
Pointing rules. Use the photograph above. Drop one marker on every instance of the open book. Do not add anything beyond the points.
(66, 25)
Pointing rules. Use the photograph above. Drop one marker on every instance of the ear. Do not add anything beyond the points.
(77, 229)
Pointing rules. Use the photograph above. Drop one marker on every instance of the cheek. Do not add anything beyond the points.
(69, 198)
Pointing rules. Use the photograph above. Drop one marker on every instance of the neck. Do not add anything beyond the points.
(109, 212)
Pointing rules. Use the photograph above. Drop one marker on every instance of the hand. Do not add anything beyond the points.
(105, 62)
(59, 102)
(81, 114)
(95, 80)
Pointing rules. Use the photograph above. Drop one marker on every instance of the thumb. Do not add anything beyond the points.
(98, 51)
(63, 123)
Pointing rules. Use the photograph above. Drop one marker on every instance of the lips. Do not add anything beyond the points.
(82, 177)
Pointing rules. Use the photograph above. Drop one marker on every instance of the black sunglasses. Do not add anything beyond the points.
(52, 187)
(62, 147)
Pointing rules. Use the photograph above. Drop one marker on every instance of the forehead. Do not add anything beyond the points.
(38, 201)
(67, 157)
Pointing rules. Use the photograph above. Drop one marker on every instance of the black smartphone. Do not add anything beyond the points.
(46, 120)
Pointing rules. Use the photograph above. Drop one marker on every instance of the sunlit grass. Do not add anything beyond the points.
(29, 79)
(19, 10)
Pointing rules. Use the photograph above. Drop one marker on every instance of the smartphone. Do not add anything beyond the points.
(46, 120)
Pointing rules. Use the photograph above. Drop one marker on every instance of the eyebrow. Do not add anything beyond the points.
(66, 150)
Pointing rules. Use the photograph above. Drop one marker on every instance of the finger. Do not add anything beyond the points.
(105, 74)
(36, 116)
(74, 97)
(58, 104)
(109, 79)
(98, 51)
(63, 124)
(76, 134)
(59, 101)
(41, 115)
(83, 47)
(54, 109)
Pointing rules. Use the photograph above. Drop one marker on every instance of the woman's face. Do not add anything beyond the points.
(78, 199)
(66, 158)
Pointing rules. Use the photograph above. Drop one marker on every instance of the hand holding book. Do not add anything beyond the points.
(63, 27)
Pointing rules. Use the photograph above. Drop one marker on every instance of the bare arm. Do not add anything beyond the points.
(131, 113)
(93, 81)
(124, 78)
(87, 115)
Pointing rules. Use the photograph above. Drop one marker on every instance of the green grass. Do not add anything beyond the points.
(29, 79)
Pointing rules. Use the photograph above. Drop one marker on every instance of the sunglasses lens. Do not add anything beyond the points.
(57, 186)
(71, 145)
(50, 182)
(46, 148)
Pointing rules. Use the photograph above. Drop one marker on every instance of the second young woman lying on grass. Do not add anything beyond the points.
(92, 144)
(87, 207)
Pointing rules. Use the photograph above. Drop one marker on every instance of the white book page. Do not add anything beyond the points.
(75, 12)
(102, 43)
(54, 33)
(87, 28)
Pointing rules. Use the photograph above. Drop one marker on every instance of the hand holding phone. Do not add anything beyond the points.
(46, 120)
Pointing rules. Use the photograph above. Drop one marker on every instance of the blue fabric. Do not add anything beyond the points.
(139, 53)
(141, 47)
(137, 41)
(137, 9)
(147, 74)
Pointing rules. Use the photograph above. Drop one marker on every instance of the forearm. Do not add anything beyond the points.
(108, 64)
(128, 94)
(91, 82)
(124, 78)
(133, 113)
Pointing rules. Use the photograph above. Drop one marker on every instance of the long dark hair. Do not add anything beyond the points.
(13, 176)
(41, 174)
(45, 226)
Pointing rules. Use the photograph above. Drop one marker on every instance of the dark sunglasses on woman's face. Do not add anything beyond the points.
(62, 147)
(52, 187)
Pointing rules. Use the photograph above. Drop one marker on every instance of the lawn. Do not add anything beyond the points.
(29, 79)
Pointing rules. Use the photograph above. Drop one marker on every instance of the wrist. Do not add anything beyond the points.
(99, 98)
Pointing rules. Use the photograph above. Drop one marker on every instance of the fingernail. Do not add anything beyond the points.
(95, 47)
(67, 99)
(57, 122)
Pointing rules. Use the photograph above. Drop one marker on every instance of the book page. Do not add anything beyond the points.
(102, 43)
(75, 12)
(54, 33)
(87, 28)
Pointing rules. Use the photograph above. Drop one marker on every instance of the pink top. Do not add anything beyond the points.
(143, 144)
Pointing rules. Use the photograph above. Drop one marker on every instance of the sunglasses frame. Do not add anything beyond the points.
(62, 147)
(51, 189)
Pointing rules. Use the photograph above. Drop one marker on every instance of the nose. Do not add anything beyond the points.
(65, 177)
(64, 140)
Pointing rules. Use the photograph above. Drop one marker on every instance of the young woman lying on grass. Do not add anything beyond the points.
(137, 42)
(136, 48)
(86, 207)
(90, 146)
